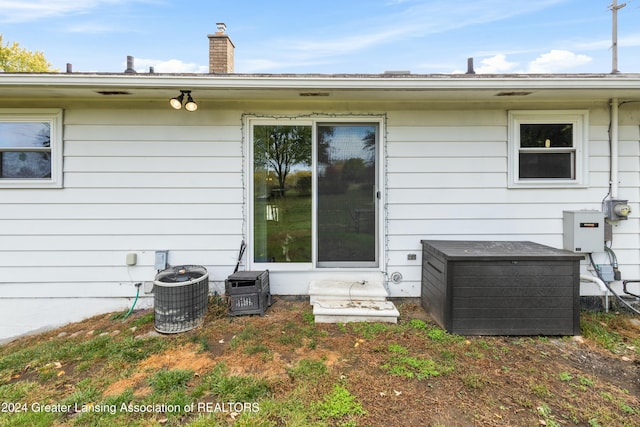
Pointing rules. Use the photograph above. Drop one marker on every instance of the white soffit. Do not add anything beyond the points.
(342, 87)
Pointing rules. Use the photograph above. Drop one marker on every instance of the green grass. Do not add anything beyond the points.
(201, 341)
(370, 330)
(601, 328)
(475, 381)
(143, 320)
(401, 364)
(85, 391)
(418, 324)
(16, 392)
(232, 388)
(585, 382)
(565, 376)
(547, 415)
(441, 336)
(257, 348)
(248, 334)
(308, 370)
(338, 404)
(308, 318)
(540, 390)
(43, 356)
(415, 367)
(397, 348)
(167, 381)
(30, 418)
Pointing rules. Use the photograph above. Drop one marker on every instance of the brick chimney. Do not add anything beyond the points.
(220, 51)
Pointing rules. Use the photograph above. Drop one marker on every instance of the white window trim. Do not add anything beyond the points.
(252, 122)
(54, 118)
(580, 121)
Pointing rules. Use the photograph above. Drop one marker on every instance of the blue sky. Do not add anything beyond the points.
(348, 36)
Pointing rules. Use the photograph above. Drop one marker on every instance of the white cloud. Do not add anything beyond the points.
(556, 61)
(168, 66)
(34, 10)
(415, 20)
(347, 44)
(92, 28)
(497, 64)
(629, 40)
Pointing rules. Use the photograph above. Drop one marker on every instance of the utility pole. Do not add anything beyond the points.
(614, 35)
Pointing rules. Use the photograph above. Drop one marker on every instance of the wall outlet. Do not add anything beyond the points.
(147, 287)
(412, 257)
(617, 275)
(132, 258)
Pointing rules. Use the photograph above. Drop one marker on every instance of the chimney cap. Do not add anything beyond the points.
(130, 69)
(470, 69)
(222, 27)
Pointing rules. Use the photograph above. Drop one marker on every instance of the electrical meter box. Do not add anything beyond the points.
(583, 231)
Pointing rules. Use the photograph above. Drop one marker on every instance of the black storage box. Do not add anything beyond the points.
(248, 292)
(501, 288)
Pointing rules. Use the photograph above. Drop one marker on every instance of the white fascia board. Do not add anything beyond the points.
(441, 82)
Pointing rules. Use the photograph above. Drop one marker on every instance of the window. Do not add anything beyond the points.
(31, 148)
(282, 159)
(548, 148)
(315, 193)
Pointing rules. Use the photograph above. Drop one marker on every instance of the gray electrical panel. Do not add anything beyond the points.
(161, 260)
(583, 231)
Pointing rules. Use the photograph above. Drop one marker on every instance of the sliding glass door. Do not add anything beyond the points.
(282, 194)
(315, 194)
(346, 195)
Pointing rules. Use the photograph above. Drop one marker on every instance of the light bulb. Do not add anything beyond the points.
(176, 102)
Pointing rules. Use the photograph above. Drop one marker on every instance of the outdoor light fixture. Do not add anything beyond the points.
(190, 105)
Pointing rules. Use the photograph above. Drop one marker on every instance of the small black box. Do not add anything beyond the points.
(248, 292)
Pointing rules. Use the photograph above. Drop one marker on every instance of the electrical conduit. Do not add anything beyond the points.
(614, 149)
(601, 285)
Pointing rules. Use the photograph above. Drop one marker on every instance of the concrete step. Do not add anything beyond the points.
(341, 290)
(334, 311)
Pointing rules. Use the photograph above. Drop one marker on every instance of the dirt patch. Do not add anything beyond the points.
(182, 358)
(623, 373)
(186, 358)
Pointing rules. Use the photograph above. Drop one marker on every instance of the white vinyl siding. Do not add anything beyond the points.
(140, 181)
(447, 178)
(135, 181)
